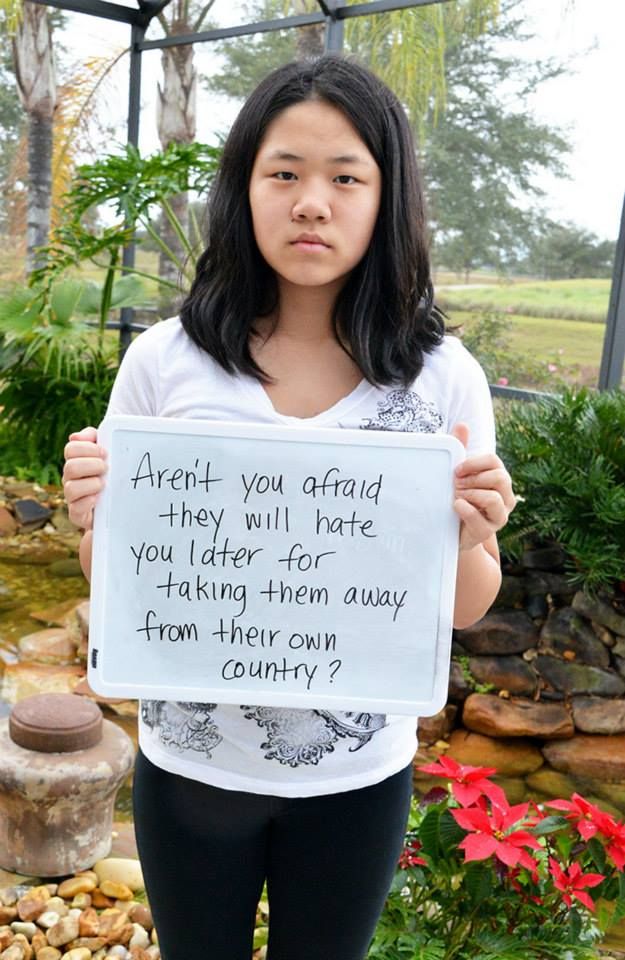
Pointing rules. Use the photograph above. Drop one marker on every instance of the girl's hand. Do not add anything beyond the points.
(484, 496)
(85, 466)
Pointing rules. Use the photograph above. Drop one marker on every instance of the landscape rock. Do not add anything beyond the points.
(63, 932)
(49, 953)
(54, 646)
(598, 757)
(459, 686)
(552, 783)
(25, 679)
(506, 673)
(8, 523)
(500, 632)
(69, 888)
(567, 630)
(67, 567)
(120, 870)
(600, 611)
(511, 593)
(510, 757)
(61, 521)
(543, 583)
(551, 557)
(431, 729)
(27, 929)
(30, 514)
(577, 678)
(598, 715)
(35, 551)
(517, 717)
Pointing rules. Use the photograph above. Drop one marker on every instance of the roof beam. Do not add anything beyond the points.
(97, 8)
(380, 6)
(242, 30)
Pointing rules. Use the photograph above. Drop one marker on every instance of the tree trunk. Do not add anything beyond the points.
(310, 40)
(176, 121)
(36, 84)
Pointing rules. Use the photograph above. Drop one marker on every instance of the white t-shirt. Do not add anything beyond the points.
(287, 752)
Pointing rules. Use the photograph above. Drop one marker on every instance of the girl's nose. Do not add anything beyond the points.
(311, 207)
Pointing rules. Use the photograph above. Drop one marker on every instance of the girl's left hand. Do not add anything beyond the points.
(484, 496)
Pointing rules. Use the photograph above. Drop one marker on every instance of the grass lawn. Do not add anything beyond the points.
(564, 299)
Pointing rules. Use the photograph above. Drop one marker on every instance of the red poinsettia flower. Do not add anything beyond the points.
(468, 783)
(490, 836)
(572, 883)
(587, 818)
(614, 832)
(409, 858)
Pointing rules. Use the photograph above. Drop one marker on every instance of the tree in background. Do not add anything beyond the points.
(30, 28)
(482, 154)
(564, 251)
(11, 124)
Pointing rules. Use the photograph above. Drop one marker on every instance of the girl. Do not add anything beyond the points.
(312, 304)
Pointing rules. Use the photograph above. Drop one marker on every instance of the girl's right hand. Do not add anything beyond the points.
(85, 466)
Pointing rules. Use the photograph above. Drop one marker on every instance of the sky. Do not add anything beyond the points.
(585, 105)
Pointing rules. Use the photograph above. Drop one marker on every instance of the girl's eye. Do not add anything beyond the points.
(284, 175)
(346, 178)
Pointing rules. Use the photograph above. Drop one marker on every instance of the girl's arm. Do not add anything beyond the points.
(85, 466)
(484, 501)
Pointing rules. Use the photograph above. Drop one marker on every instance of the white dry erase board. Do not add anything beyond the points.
(275, 566)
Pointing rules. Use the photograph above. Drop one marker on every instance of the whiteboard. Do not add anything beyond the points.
(274, 566)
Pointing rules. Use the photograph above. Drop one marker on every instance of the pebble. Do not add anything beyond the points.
(140, 937)
(91, 874)
(80, 953)
(115, 890)
(153, 952)
(74, 912)
(118, 951)
(48, 953)
(22, 941)
(28, 929)
(139, 913)
(48, 919)
(69, 888)
(14, 952)
(63, 932)
(120, 870)
(7, 915)
(82, 901)
(58, 905)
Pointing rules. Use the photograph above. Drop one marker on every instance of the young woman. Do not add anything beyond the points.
(313, 305)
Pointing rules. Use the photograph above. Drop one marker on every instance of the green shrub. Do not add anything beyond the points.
(566, 455)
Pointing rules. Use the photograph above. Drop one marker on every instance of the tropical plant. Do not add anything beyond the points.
(480, 879)
(566, 454)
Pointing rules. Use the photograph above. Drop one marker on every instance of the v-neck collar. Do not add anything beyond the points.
(332, 414)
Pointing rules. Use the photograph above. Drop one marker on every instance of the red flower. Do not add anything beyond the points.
(408, 857)
(588, 818)
(490, 835)
(573, 881)
(468, 783)
(614, 833)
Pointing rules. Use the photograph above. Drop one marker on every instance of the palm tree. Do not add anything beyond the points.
(33, 58)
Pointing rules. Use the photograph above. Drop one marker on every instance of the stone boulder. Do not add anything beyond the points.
(54, 646)
(500, 632)
(518, 717)
(438, 727)
(510, 757)
(599, 610)
(577, 678)
(566, 630)
(595, 757)
(599, 715)
(506, 673)
(25, 679)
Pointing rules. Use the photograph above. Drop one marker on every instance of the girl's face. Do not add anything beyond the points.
(314, 195)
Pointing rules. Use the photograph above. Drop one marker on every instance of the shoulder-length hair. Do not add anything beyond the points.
(385, 314)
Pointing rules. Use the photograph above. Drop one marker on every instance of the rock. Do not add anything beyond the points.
(618, 646)
(61, 521)
(89, 923)
(431, 729)
(30, 514)
(53, 646)
(600, 611)
(58, 905)
(63, 932)
(605, 635)
(48, 953)
(578, 678)
(153, 953)
(69, 888)
(14, 952)
(23, 942)
(500, 632)
(120, 870)
(614, 793)
(536, 607)
(511, 593)
(511, 758)
(459, 687)
(566, 630)
(80, 953)
(8, 523)
(91, 943)
(116, 890)
(99, 900)
(518, 717)
(48, 919)
(139, 938)
(38, 552)
(141, 914)
(506, 673)
(552, 783)
(25, 679)
(59, 614)
(32, 904)
(542, 583)
(551, 557)
(513, 787)
(27, 929)
(82, 901)
(7, 915)
(598, 715)
(598, 757)
(21, 488)
(39, 941)
(6, 937)
(69, 567)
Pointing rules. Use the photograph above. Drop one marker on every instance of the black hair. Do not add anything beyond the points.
(384, 315)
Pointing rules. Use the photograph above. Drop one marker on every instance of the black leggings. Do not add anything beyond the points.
(206, 853)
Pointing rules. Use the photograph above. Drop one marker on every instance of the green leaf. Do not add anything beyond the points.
(479, 882)
(429, 833)
(549, 825)
(64, 299)
(597, 852)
